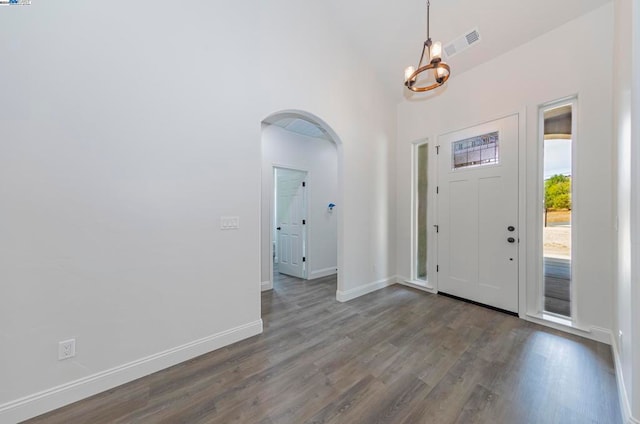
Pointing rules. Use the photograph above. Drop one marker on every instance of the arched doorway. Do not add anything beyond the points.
(322, 208)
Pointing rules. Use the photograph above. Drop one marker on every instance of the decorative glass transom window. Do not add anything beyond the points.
(476, 151)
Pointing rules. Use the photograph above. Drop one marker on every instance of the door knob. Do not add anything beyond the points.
(511, 240)
(279, 228)
(511, 228)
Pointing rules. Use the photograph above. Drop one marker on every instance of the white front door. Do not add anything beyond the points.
(478, 213)
(290, 219)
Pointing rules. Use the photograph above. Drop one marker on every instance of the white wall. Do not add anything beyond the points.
(320, 159)
(557, 64)
(627, 190)
(126, 132)
(121, 126)
(109, 175)
(622, 123)
(635, 209)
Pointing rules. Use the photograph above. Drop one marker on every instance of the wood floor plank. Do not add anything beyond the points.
(334, 410)
(397, 402)
(393, 356)
(481, 400)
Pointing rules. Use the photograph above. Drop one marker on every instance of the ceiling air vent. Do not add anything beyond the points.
(462, 43)
(472, 37)
(450, 49)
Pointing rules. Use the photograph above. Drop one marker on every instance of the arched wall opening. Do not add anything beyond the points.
(312, 128)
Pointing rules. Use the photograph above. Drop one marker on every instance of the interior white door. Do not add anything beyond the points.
(478, 213)
(290, 216)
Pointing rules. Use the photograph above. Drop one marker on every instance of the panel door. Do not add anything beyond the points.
(478, 213)
(290, 213)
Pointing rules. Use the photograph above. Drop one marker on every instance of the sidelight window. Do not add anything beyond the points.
(558, 142)
(421, 184)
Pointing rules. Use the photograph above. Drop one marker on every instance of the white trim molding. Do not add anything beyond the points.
(325, 272)
(266, 285)
(418, 285)
(345, 296)
(598, 334)
(65, 394)
(623, 394)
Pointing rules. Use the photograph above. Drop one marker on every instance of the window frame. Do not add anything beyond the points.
(573, 320)
(429, 281)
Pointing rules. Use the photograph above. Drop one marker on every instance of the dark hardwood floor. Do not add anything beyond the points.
(393, 356)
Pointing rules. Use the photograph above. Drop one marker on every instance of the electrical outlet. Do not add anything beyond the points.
(66, 349)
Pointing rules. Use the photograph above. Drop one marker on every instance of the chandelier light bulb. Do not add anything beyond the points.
(436, 51)
(408, 72)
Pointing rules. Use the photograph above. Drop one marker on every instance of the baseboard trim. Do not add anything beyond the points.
(625, 406)
(598, 334)
(407, 282)
(266, 285)
(65, 394)
(325, 272)
(603, 335)
(345, 296)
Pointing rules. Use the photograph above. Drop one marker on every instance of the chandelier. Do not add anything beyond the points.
(432, 62)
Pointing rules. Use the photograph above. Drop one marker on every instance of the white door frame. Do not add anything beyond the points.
(272, 216)
(522, 212)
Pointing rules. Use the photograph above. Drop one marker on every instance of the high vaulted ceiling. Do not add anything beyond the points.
(390, 33)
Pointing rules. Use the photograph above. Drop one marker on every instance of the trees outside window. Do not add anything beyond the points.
(557, 192)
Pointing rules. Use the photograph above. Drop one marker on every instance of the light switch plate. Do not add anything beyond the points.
(229, 222)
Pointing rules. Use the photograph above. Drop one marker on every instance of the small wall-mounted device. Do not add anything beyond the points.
(331, 206)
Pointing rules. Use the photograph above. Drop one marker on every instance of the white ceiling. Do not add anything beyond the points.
(390, 33)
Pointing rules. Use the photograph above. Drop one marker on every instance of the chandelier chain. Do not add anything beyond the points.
(428, 7)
